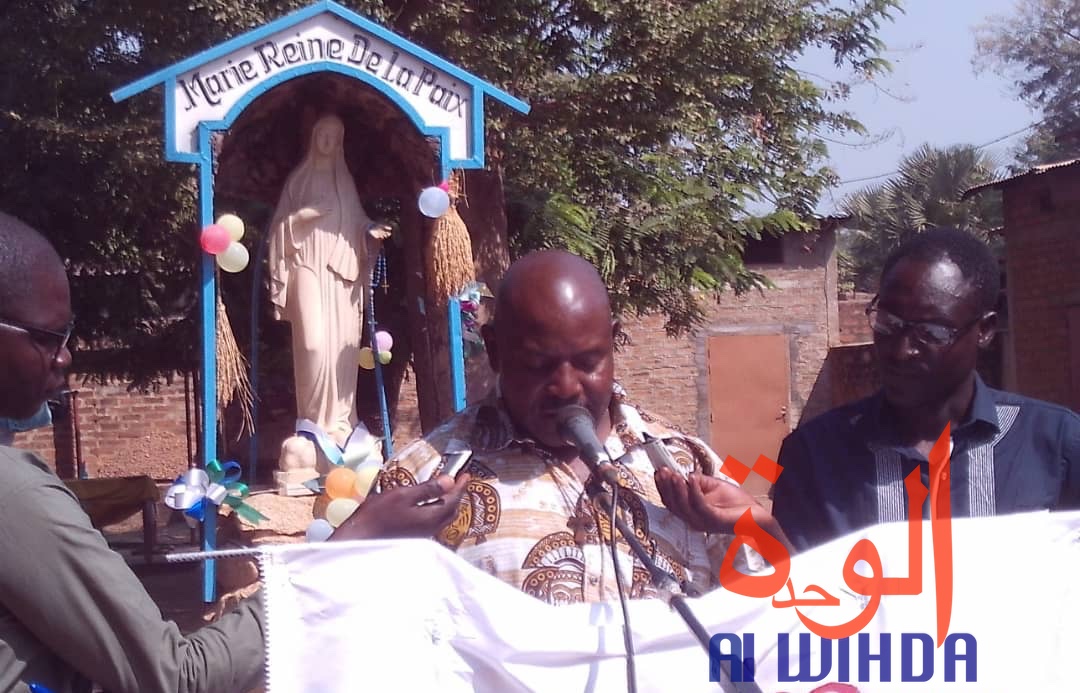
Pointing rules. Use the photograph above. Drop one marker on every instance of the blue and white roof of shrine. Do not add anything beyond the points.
(208, 91)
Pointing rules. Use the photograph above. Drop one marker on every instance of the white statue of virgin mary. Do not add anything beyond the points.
(322, 251)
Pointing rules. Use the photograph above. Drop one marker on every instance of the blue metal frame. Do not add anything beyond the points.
(203, 159)
(457, 354)
(380, 385)
(208, 305)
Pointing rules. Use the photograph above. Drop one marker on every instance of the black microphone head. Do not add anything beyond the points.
(563, 415)
(572, 417)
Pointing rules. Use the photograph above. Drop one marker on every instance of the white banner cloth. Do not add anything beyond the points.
(412, 616)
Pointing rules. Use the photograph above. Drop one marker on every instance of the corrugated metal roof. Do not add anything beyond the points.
(1037, 170)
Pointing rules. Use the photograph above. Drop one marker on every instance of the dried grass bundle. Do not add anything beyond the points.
(232, 373)
(448, 258)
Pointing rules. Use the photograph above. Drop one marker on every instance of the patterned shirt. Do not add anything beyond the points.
(845, 469)
(527, 520)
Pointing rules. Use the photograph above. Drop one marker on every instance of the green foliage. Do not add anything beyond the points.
(1038, 46)
(657, 125)
(924, 193)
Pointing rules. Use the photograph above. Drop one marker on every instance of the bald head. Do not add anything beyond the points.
(552, 281)
(24, 253)
(552, 342)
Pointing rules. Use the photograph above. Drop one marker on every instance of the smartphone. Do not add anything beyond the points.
(454, 460)
(660, 456)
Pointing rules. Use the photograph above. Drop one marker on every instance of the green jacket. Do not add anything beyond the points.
(72, 610)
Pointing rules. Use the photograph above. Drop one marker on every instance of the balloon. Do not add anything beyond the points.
(384, 341)
(319, 530)
(234, 258)
(433, 202)
(214, 239)
(367, 358)
(365, 478)
(339, 510)
(444, 186)
(339, 482)
(384, 357)
(233, 224)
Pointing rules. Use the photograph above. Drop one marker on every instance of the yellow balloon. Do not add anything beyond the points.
(367, 358)
(339, 510)
(384, 357)
(365, 478)
(233, 224)
(339, 482)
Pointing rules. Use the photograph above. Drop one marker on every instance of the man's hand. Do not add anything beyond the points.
(397, 512)
(713, 505)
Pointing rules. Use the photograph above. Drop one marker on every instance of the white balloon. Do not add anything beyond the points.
(233, 224)
(234, 258)
(319, 530)
(433, 202)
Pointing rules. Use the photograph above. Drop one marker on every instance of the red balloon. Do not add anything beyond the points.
(214, 238)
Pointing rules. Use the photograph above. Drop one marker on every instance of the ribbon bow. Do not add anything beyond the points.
(469, 299)
(217, 484)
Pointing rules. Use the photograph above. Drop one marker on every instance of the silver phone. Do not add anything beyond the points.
(660, 456)
(454, 460)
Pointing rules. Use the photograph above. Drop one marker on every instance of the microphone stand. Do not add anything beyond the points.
(661, 579)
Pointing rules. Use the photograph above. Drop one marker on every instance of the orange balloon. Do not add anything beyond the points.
(340, 482)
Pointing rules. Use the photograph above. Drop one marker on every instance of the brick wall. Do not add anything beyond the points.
(1042, 260)
(852, 372)
(121, 432)
(854, 328)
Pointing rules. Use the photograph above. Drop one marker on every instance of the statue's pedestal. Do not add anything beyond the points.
(291, 483)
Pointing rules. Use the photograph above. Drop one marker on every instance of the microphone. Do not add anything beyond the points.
(578, 428)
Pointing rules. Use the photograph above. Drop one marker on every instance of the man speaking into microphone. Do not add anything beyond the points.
(528, 516)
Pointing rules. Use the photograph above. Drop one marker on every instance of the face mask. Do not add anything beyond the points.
(41, 419)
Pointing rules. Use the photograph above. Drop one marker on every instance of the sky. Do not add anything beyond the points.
(932, 95)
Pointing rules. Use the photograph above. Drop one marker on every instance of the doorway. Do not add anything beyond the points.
(749, 396)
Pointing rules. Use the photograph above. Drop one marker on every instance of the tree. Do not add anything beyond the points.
(655, 125)
(1038, 46)
(924, 193)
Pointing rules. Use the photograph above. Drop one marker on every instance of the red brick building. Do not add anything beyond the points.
(1042, 249)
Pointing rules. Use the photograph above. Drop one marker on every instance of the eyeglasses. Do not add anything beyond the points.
(927, 334)
(51, 340)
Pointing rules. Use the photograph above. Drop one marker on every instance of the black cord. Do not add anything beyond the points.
(628, 636)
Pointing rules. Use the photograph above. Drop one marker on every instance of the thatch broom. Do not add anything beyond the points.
(232, 373)
(448, 258)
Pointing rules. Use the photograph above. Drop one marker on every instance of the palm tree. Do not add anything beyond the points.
(924, 193)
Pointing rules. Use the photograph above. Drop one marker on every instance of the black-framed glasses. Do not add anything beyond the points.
(927, 334)
(50, 340)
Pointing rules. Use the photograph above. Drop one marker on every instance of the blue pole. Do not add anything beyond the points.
(208, 303)
(457, 355)
(384, 411)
